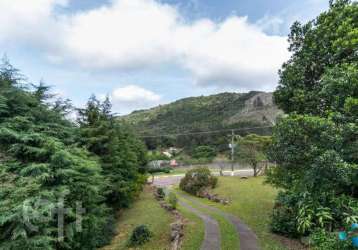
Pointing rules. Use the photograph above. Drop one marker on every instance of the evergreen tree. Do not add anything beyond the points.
(122, 156)
(40, 165)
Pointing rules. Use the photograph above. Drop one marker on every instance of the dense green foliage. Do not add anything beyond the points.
(197, 114)
(45, 176)
(140, 235)
(204, 152)
(316, 146)
(121, 154)
(198, 179)
(159, 193)
(252, 149)
(323, 240)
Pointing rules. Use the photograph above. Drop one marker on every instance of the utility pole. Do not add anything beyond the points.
(232, 151)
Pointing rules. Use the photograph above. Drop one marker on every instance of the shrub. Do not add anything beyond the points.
(140, 235)
(160, 193)
(322, 240)
(204, 152)
(173, 200)
(197, 180)
(284, 215)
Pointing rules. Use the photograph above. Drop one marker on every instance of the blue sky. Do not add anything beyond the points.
(148, 52)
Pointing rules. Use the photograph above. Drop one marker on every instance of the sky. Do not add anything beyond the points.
(142, 53)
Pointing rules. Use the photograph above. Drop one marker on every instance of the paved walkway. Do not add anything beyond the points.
(248, 239)
(212, 231)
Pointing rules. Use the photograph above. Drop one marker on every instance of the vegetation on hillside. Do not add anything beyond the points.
(196, 114)
(54, 176)
(316, 146)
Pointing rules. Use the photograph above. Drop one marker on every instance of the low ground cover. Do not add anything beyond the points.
(147, 211)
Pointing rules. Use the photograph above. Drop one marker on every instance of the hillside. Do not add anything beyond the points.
(204, 113)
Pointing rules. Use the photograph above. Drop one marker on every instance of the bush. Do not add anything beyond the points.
(299, 214)
(140, 235)
(160, 193)
(173, 200)
(322, 240)
(197, 180)
(284, 215)
(204, 152)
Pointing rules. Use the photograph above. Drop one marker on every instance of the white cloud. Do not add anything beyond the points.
(142, 34)
(29, 21)
(133, 93)
(132, 97)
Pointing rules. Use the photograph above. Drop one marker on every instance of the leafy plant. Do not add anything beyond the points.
(204, 152)
(323, 240)
(173, 200)
(197, 179)
(140, 235)
(160, 193)
(315, 145)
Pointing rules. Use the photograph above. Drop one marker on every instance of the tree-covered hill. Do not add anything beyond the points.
(206, 113)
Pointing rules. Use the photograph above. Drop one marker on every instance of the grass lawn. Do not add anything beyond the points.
(146, 210)
(252, 202)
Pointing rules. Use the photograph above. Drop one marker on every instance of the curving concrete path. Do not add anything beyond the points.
(212, 239)
(248, 239)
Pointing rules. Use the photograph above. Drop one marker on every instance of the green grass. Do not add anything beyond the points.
(144, 211)
(252, 202)
(193, 231)
(181, 170)
(229, 237)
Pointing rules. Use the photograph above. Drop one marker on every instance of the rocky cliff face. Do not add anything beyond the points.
(258, 108)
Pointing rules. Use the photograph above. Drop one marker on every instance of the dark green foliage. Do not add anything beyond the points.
(324, 60)
(197, 180)
(160, 193)
(204, 152)
(121, 154)
(323, 240)
(283, 218)
(316, 145)
(140, 235)
(152, 170)
(42, 170)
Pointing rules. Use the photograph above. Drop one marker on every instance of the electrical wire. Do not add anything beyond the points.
(202, 132)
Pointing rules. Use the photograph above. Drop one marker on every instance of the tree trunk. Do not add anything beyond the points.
(255, 170)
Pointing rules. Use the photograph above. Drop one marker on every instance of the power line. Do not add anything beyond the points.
(203, 132)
